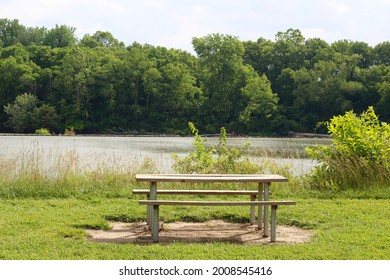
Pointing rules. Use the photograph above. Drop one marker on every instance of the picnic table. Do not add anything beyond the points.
(263, 181)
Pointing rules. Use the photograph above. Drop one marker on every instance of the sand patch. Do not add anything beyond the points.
(211, 231)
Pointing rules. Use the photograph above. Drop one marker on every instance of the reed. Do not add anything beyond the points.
(346, 172)
(49, 172)
(40, 172)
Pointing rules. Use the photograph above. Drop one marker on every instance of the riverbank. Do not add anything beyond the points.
(291, 134)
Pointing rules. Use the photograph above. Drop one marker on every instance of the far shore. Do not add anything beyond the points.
(291, 134)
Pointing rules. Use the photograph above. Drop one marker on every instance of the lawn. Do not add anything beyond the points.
(46, 228)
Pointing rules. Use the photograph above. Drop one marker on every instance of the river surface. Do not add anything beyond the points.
(121, 153)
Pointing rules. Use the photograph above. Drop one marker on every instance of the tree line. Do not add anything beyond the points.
(96, 84)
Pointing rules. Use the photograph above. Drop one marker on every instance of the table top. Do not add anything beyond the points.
(233, 178)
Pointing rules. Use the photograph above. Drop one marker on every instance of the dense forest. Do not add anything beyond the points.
(96, 84)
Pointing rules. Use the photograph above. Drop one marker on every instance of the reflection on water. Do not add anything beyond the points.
(122, 152)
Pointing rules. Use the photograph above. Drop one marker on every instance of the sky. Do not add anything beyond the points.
(173, 23)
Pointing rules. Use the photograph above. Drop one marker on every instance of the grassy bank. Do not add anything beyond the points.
(44, 212)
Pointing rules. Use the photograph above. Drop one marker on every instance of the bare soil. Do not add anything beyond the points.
(211, 231)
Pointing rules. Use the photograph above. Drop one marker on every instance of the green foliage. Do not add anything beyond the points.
(220, 159)
(235, 93)
(359, 156)
(42, 131)
(46, 116)
(98, 85)
(24, 114)
(21, 112)
(60, 36)
(261, 104)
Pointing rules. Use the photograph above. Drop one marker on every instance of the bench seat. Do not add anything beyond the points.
(216, 203)
(199, 192)
(274, 205)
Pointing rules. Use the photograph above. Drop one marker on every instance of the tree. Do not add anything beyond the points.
(25, 114)
(60, 36)
(221, 74)
(262, 102)
(317, 50)
(15, 78)
(381, 54)
(45, 116)
(71, 87)
(384, 90)
(289, 51)
(102, 103)
(11, 32)
(33, 36)
(101, 39)
(21, 112)
(176, 97)
(359, 49)
(259, 55)
(129, 73)
(235, 94)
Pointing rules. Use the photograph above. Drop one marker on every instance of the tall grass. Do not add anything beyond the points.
(359, 156)
(44, 172)
(40, 172)
(346, 172)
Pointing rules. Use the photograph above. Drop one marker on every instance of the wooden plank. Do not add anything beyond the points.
(206, 178)
(199, 192)
(214, 203)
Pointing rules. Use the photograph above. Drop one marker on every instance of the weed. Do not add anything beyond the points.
(220, 159)
(359, 156)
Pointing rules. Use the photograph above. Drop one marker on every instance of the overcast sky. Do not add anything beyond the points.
(173, 23)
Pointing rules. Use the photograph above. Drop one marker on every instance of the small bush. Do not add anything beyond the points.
(359, 155)
(42, 131)
(70, 131)
(209, 160)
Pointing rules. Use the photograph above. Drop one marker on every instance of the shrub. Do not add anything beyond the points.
(42, 131)
(359, 155)
(20, 112)
(70, 131)
(220, 159)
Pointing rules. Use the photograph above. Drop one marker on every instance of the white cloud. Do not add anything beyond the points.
(173, 23)
(337, 8)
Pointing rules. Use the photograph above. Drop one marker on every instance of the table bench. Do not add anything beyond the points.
(263, 181)
(252, 194)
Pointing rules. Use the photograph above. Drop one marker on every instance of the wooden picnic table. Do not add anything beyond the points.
(263, 180)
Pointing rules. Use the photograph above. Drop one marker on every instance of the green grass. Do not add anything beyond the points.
(53, 228)
(44, 216)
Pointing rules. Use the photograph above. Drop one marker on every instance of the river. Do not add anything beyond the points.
(121, 153)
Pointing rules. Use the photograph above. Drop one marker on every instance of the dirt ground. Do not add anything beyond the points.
(212, 231)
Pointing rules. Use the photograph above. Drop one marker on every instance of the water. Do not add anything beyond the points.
(93, 152)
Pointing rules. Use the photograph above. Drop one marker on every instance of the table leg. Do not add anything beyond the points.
(273, 222)
(149, 212)
(155, 226)
(252, 214)
(260, 208)
(266, 219)
(155, 212)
